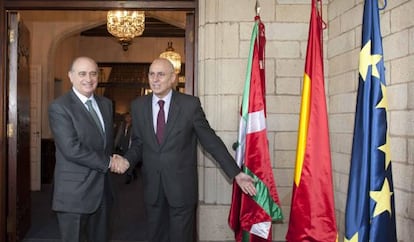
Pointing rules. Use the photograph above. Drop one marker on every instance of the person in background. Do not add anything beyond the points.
(167, 125)
(82, 127)
(123, 142)
(123, 135)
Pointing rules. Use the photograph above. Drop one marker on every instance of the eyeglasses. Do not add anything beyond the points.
(158, 74)
(91, 74)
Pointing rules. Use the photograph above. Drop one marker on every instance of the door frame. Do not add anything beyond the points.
(8, 5)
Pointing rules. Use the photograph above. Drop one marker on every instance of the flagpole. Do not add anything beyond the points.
(257, 19)
(251, 217)
(257, 8)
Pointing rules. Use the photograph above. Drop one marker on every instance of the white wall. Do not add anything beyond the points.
(223, 45)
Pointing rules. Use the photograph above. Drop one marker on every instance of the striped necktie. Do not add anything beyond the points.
(94, 116)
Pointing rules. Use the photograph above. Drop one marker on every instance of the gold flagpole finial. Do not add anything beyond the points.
(257, 8)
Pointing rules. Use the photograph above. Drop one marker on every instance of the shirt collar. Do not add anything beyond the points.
(82, 97)
(167, 98)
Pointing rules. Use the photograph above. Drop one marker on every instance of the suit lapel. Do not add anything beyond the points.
(173, 114)
(104, 112)
(78, 105)
(150, 122)
(106, 115)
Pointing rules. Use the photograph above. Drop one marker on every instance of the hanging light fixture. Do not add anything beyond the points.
(125, 25)
(173, 57)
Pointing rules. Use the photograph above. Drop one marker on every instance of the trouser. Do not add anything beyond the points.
(170, 224)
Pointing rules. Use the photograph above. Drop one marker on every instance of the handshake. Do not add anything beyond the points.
(119, 164)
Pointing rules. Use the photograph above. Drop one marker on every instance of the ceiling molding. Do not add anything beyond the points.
(99, 5)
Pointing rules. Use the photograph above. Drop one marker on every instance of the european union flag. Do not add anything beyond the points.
(370, 213)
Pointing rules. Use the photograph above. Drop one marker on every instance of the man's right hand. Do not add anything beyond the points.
(246, 183)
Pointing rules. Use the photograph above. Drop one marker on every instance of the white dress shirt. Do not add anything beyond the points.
(156, 108)
(94, 105)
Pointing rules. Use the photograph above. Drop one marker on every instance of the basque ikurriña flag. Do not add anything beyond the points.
(370, 211)
(312, 214)
(251, 217)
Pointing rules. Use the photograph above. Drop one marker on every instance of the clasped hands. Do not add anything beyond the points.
(119, 164)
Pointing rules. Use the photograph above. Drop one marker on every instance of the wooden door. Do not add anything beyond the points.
(35, 126)
(18, 130)
(190, 85)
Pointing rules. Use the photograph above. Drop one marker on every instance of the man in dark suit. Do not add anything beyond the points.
(83, 138)
(122, 143)
(169, 163)
(123, 135)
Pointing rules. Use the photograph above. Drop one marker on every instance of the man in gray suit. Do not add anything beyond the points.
(81, 123)
(164, 138)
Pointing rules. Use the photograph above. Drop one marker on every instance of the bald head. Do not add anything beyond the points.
(83, 75)
(161, 77)
(165, 62)
(82, 59)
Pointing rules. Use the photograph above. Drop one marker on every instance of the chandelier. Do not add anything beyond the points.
(125, 25)
(173, 57)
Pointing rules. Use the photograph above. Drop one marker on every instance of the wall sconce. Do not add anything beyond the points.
(173, 57)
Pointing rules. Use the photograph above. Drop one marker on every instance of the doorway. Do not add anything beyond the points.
(48, 70)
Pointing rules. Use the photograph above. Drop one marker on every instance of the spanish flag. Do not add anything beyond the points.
(312, 213)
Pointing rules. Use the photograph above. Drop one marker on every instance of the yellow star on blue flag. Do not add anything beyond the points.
(370, 205)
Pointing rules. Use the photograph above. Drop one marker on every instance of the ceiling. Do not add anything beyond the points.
(157, 23)
(153, 28)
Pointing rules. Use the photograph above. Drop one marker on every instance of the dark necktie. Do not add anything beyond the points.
(94, 116)
(160, 122)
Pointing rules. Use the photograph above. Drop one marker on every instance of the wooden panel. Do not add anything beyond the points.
(18, 194)
(189, 54)
(3, 115)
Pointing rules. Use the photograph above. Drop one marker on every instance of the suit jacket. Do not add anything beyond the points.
(122, 139)
(82, 154)
(173, 163)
